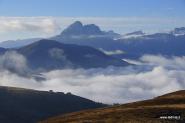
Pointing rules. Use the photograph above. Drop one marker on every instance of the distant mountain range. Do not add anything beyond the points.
(18, 43)
(169, 108)
(179, 31)
(46, 55)
(133, 44)
(20, 105)
(136, 33)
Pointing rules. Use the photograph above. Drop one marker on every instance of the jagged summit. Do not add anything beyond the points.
(77, 23)
(77, 28)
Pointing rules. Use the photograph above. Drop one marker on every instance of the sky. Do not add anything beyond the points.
(41, 18)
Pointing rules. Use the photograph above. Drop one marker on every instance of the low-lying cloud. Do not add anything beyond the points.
(154, 76)
(13, 62)
(176, 63)
(112, 52)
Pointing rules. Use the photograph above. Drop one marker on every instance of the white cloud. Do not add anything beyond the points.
(177, 62)
(28, 25)
(112, 52)
(57, 53)
(14, 62)
(46, 24)
(112, 84)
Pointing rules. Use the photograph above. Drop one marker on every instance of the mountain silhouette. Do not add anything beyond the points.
(49, 55)
(77, 28)
(20, 105)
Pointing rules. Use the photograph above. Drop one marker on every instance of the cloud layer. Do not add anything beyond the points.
(46, 25)
(29, 27)
(154, 76)
(13, 62)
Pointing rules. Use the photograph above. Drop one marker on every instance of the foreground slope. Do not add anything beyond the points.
(19, 105)
(149, 111)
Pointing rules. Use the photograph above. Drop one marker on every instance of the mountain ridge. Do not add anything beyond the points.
(58, 55)
(167, 44)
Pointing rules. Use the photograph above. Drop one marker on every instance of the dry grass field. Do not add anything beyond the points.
(149, 111)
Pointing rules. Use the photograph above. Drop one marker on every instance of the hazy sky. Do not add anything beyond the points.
(40, 18)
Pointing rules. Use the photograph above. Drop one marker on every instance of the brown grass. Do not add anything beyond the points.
(147, 111)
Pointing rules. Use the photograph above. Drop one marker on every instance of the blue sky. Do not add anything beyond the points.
(107, 8)
(41, 18)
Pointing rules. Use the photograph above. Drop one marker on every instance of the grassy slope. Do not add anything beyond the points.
(18, 105)
(147, 111)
